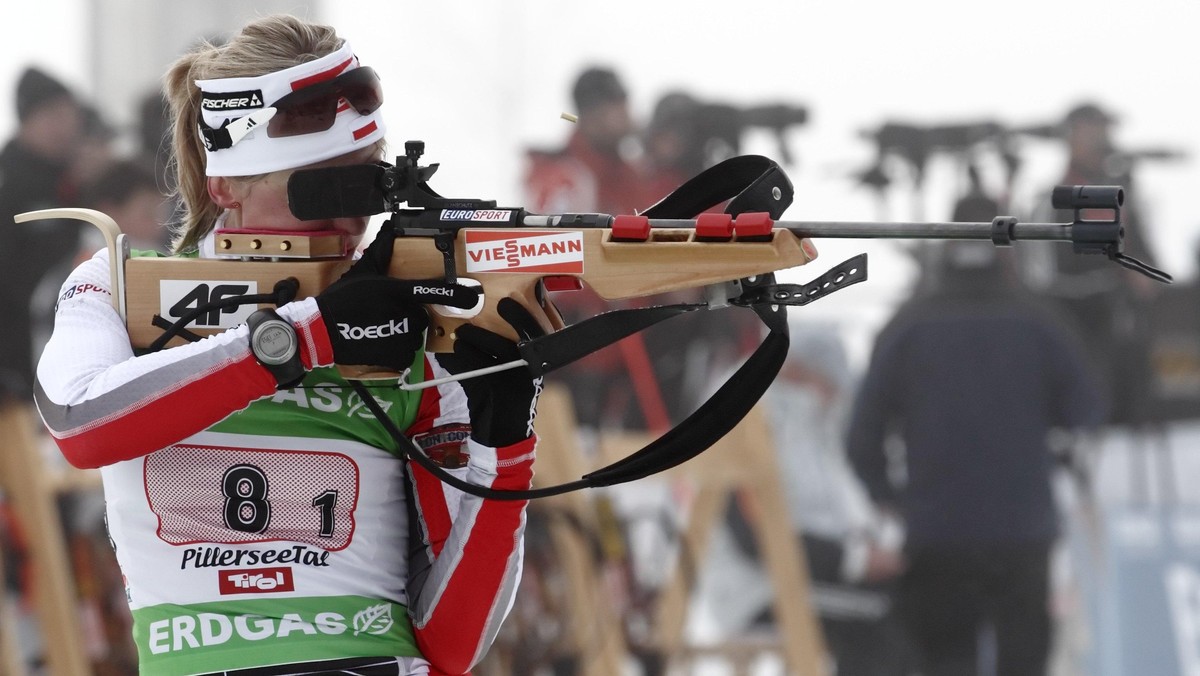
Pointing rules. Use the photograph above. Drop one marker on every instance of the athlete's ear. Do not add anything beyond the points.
(226, 193)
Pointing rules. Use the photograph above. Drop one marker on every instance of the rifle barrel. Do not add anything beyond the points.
(944, 230)
(900, 230)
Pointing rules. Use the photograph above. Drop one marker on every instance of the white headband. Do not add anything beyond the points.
(242, 104)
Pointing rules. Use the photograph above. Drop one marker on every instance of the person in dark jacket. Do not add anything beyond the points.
(1107, 303)
(33, 169)
(972, 377)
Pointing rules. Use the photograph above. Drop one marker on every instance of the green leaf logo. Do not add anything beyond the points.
(375, 620)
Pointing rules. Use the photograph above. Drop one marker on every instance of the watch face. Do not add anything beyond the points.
(274, 342)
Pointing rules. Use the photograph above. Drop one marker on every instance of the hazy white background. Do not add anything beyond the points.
(480, 81)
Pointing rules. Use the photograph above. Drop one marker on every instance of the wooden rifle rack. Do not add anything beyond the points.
(743, 461)
(32, 490)
(595, 631)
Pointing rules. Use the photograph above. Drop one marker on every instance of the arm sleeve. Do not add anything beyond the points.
(869, 422)
(466, 556)
(103, 405)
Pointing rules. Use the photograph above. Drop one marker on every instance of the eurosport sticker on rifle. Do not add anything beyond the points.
(540, 251)
(176, 297)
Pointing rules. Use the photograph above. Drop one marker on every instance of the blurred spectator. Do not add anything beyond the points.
(1174, 348)
(971, 379)
(852, 553)
(92, 156)
(685, 136)
(974, 206)
(33, 170)
(128, 191)
(589, 174)
(672, 153)
(153, 137)
(1107, 303)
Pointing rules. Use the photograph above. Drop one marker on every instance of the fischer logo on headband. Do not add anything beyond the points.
(235, 113)
(232, 100)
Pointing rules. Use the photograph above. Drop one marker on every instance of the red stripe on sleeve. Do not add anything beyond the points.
(314, 337)
(451, 637)
(150, 425)
(428, 488)
(432, 502)
(430, 408)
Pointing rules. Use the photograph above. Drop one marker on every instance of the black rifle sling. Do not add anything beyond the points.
(704, 427)
(749, 181)
(755, 184)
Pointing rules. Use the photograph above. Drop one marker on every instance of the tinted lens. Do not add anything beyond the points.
(313, 109)
(307, 118)
(362, 90)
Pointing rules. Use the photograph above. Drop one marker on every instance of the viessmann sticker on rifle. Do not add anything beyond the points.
(543, 251)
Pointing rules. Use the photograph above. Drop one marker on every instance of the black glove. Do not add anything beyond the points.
(502, 404)
(375, 320)
(377, 257)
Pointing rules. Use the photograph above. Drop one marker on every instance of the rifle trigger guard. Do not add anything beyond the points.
(444, 242)
(850, 271)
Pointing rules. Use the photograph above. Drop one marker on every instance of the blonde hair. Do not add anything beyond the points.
(263, 46)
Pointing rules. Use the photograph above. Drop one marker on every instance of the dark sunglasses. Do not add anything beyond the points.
(313, 108)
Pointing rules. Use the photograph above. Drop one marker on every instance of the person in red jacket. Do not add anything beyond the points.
(591, 174)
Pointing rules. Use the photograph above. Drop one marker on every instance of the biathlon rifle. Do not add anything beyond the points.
(512, 253)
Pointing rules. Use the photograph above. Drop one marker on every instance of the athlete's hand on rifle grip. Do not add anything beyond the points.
(502, 404)
(375, 320)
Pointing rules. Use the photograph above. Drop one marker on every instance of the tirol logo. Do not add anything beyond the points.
(232, 100)
(178, 297)
(255, 580)
(375, 620)
(544, 251)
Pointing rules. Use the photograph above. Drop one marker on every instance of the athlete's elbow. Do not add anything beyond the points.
(82, 456)
(447, 656)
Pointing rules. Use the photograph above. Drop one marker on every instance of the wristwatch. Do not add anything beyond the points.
(274, 344)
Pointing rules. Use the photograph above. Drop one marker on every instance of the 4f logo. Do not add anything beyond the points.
(181, 298)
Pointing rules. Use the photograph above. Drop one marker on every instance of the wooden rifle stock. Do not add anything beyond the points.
(670, 259)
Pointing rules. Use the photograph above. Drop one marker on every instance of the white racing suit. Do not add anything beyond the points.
(256, 527)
